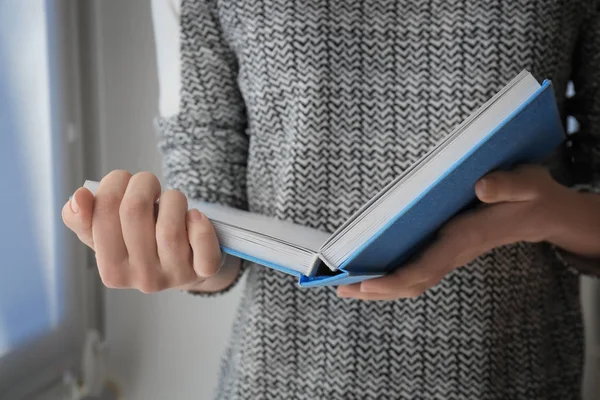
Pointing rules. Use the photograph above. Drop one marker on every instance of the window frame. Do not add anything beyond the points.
(42, 362)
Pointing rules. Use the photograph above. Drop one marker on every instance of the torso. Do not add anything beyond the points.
(341, 97)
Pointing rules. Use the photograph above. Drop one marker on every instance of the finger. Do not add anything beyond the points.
(138, 225)
(172, 237)
(459, 242)
(205, 245)
(77, 215)
(348, 290)
(433, 262)
(368, 296)
(353, 291)
(522, 184)
(111, 253)
(488, 227)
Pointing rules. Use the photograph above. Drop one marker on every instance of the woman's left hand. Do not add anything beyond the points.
(525, 204)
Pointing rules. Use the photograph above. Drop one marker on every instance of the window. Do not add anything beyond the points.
(32, 261)
(41, 272)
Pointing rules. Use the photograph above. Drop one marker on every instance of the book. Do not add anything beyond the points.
(520, 124)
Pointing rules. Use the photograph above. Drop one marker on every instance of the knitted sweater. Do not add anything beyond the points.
(303, 110)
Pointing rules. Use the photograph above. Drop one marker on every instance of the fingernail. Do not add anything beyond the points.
(74, 205)
(481, 187)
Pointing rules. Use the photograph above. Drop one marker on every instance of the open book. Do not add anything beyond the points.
(520, 124)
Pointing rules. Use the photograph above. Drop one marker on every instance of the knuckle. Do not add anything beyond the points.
(117, 174)
(146, 177)
(108, 203)
(135, 206)
(145, 182)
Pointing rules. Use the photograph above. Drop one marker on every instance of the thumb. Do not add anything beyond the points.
(204, 243)
(77, 215)
(521, 184)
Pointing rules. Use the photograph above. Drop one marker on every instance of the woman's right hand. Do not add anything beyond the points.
(135, 247)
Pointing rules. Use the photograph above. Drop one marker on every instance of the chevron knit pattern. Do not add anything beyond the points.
(302, 110)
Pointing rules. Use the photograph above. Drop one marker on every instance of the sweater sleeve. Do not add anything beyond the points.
(205, 146)
(584, 145)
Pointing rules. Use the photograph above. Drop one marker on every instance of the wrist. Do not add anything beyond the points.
(574, 223)
(557, 218)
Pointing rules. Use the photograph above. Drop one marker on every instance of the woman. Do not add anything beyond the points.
(303, 111)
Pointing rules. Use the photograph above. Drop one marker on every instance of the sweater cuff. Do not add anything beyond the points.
(576, 263)
(588, 187)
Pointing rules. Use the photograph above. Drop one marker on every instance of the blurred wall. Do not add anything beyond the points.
(166, 345)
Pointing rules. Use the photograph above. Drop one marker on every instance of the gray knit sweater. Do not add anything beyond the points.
(302, 110)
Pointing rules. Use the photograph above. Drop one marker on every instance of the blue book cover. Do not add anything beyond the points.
(529, 135)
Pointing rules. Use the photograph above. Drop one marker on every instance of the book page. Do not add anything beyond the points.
(293, 234)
